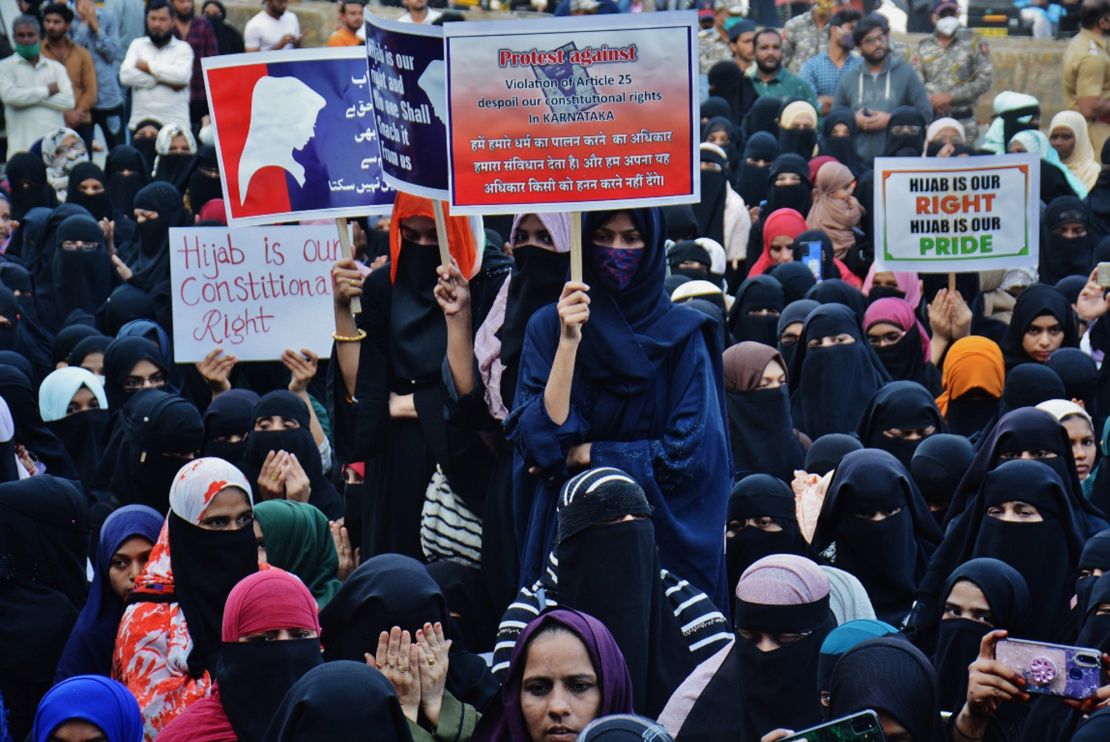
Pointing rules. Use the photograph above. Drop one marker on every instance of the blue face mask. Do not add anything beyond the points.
(615, 268)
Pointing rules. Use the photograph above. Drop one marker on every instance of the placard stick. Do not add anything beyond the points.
(951, 283)
(441, 234)
(576, 245)
(345, 245)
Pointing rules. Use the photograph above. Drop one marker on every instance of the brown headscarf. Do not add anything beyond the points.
(744, 364)
(834, 216)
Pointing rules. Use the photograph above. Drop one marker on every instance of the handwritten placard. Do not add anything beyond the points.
(253, 291)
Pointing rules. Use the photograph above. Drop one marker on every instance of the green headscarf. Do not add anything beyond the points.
(298, 540)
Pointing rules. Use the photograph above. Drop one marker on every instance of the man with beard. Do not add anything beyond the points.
(770, 77)
(158, 69)
(57, 19)
(878, 86)
(198, 33)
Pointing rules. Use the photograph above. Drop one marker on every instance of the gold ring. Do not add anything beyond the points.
(402, 668)
(431, 662)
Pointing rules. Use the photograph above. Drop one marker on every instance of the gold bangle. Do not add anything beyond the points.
(349, 338)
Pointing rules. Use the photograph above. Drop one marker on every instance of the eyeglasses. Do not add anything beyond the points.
(79, 245)
(156, 380)
(887, 338)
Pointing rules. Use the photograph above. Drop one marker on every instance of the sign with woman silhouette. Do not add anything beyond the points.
(295, 135)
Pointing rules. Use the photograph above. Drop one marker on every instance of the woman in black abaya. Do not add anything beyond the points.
(752, 175)
(158, 207)
(1042, 322)
(755, 312)
(762, 521)
(1067, 244)
(899, 418)
(43, 550)
(875, 524)
(938, 465)
(833, 374)
(81, 273)
(838, 132)
(758, 404)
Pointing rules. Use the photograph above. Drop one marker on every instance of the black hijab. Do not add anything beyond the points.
(203, 187)
(895, 143)
(754, 182)
(681, 222)
(1098, 198)
(788, 197)
(755, 294)
(93, 344)
(1038, 300)
(761, 496)
(836, 291)
(899, 405)
(18, 391)
(98, 205)
(152, 258)
(689, 251)
(892, 676)
(393, 590)
(710, 211)
(938, 465)
(82, 279)
(340, 701)
(120, 358)
(1095, 555)
(298, 441)
(229, 414)
(1060, 256)
(759, 424)
(728, 82)
(826, 453)
(801, 141)
(763, 116)
(43, 549)
(1080, 376)
(842, 148)
(126, 176)
(417, 330)
(21, 336)
(794, 312)
(537, 279)
(959, 637)
(830, 386)
(715, 106)
(1046, 553)
(155, 433)
(67, 339)
(888, 556)
(124, 304)
(1028, 385)
(29, 188)
(175, 168)
(735, 141)
(796, 280)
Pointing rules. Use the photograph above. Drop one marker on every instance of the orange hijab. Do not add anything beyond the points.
(973, 362)
(461, 240)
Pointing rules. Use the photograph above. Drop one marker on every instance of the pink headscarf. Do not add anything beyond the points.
(908, 283)
(782, 579)
(899, 313)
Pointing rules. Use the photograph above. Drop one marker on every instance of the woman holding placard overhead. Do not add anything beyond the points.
(615, 375)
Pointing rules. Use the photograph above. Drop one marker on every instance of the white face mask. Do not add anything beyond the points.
(948, 25)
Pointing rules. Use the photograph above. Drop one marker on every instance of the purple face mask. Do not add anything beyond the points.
(615, 268)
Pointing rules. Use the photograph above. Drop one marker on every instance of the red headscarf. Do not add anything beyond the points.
(780, 222)
(268, 601)
(461, 240)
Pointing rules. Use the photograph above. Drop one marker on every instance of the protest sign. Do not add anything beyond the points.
(405, 61)
(583, 113)
(253, 291)
(957, 214)
(294, 133)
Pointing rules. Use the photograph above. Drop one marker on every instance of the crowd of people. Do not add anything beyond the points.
(736, 480)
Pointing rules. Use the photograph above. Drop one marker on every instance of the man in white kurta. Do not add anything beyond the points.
(34, 90)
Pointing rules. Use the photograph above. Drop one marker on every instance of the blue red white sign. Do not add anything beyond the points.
(295, 135)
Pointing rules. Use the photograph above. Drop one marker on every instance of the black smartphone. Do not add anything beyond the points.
(861, 727)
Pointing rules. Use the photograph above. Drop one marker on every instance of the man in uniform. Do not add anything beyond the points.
(804, 36)
(955, 65)
(712, 39)
(1087, 71)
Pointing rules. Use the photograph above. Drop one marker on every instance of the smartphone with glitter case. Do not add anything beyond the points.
(861, 727)
(1053, 669)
